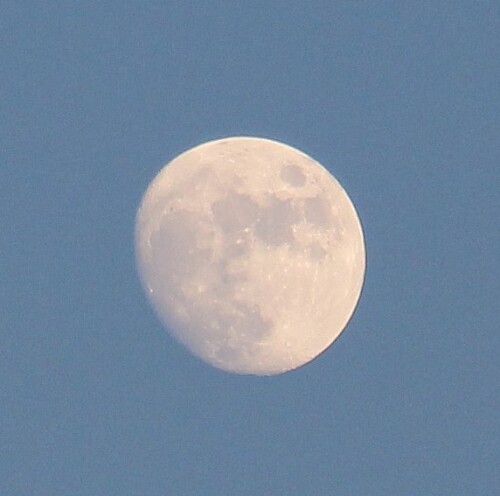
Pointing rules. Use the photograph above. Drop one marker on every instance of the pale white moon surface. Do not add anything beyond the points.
(251, 253)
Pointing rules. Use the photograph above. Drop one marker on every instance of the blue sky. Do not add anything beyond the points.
(399, 100)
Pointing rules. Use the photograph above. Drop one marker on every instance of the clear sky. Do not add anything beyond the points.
(400, 100)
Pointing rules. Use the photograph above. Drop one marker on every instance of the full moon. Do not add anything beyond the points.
(251, 253)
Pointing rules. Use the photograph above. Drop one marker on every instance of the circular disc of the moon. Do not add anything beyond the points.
(251, 253)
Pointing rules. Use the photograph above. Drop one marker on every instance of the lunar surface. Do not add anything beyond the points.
(251, 253)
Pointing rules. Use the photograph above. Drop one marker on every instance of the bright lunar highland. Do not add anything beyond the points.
(251, 253)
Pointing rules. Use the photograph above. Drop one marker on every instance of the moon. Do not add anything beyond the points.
(251, 253)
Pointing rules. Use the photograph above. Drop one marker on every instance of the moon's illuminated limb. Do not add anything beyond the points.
(251, 253)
